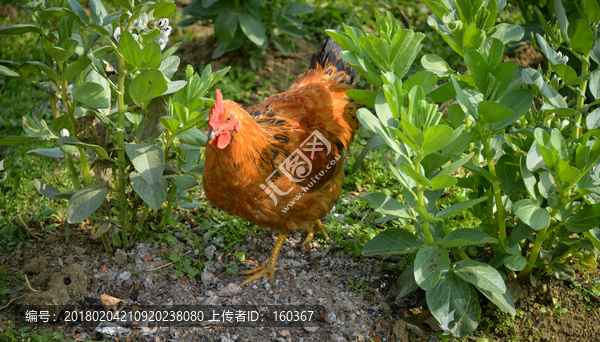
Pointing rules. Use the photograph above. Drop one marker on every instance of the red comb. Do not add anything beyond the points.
(219, 102)
(217, 111)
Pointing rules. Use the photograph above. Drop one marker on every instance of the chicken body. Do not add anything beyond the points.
(280, 164)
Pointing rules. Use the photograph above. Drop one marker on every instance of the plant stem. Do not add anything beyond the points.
(525, 11)
(537, 245)
(121, 152)
(496, 188)
(106, 243)
(421, 202)
(169, 207)
(581, 99)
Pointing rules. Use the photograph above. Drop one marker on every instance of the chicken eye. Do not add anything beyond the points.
(229, 118)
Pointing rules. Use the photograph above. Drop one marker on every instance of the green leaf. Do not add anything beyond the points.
(580, 35)
(459, 207)
(79, 11)
(480, 68)
(590, 11)
(297, 8)
(508, 33)
(566, 172)
(85, 202)
(417, 176)
(504, 301)
(387, 205)
(150, 127)
(532, 214)
(585, 219)
(440, 182)
(561, 17)
(545, 146)
(481, 275)
(436, 64)
(169, 123)
(130, 49)
(515, 262)
(493, 50)
(19, 29)
(504, 74)
(76, 67)
(47, 191)
(73, 141)
(148, 160)
(163, 9)
(252, 28)
(98, 11)
(370, 121)
(52, 153)
(363, 65)
(91, 95)
(563, 272)
(438, 137)
(466, 237)
(151, 54)
(431, 262)
(16, 140)
(567, 74)
(491, 112)
(226, 24)
(406, 282)
(449, 294)
(424, 79)
(183, 182)
(362, 96)
(193, 136)
(392, 241)
(147, 85)
(153, 194)
(529, 180)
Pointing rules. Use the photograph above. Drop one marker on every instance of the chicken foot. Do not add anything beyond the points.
(317, 225)
(268, 269)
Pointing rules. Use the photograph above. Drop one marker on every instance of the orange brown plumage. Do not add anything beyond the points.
(249, 152)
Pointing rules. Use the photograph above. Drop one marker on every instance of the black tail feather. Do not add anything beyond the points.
(328, 53)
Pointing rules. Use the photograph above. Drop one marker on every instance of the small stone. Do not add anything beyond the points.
(171, 277)
(210, 251)
(147, 258)
(284, 333)
(120, 257)
(207, 278)
(226, 339)
(311, 329)
(230, 290)
(103, 269)
(58, 252)
(79, 250)
(183, 278)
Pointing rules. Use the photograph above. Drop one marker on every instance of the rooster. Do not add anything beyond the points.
(280, 164)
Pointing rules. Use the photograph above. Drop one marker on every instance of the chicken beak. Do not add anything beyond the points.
(212, 135)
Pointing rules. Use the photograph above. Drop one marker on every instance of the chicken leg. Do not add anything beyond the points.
(268, 269)
(317, 225)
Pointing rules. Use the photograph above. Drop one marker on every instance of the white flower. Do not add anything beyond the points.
(163, 37)
(70, 92)
(60, 107)
(64, 132)
(564, 58)
(163, 22)
(117, 34)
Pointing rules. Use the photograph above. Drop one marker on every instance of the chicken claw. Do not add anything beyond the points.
(268, 269)
(317, 225)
